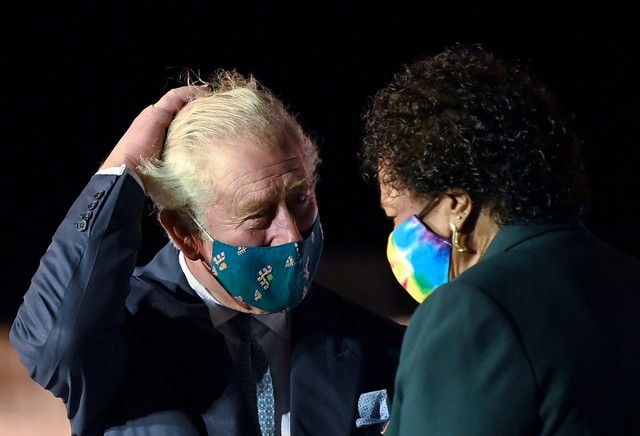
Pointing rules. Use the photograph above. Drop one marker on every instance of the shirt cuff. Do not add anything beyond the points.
(118, 171)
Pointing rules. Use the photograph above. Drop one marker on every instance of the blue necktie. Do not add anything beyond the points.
(255, 375)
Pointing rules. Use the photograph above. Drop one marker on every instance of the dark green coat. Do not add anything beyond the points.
(542, 336)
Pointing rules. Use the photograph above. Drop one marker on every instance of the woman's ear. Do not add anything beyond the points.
(187, 242)
(461, 220)
(461, 208)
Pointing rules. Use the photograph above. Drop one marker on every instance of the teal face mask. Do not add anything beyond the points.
(272, 279)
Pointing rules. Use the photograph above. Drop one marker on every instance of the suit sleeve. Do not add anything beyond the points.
(463, 370)
(67, 330)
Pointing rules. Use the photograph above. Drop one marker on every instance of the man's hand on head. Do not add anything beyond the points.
(145, 137)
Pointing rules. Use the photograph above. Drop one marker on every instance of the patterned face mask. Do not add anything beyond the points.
(419, 258)
(272, 279)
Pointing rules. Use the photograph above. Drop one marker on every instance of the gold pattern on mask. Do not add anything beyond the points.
(265, 276)
(220, 261)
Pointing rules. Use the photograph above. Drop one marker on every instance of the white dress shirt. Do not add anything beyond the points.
(272, 332)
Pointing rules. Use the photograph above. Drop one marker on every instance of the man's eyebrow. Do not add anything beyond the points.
(297, 183)
(293, 185)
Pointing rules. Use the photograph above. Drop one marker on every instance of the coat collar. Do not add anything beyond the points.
(513, 235)
(165, 269)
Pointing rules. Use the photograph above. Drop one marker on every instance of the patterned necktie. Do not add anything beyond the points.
(255, 376)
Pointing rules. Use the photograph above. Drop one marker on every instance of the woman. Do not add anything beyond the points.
(528, 324)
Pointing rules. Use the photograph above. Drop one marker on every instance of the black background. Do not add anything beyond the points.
(76, 74)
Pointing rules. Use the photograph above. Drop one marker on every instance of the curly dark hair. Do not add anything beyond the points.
(465, 119)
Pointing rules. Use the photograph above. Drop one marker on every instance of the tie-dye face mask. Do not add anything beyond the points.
(419, 258)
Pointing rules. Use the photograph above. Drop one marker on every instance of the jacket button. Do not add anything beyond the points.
(98, 195)
(93, 204)
(81, 225)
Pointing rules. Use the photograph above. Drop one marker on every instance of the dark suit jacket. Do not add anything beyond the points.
(136, 353)
(542, 336)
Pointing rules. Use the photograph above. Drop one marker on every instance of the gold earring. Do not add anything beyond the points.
(455, 240)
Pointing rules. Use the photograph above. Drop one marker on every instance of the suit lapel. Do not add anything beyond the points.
(326, 355)
(325, 366)
(202, 375)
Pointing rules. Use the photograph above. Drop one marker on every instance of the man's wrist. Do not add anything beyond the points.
(120, 170)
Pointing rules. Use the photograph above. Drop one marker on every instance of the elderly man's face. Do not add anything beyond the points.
(266, 198)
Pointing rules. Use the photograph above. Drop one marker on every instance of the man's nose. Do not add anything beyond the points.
(284, 228)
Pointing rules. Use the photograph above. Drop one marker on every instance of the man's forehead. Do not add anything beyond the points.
(239, 204)
(262, 175)
(248, 149)
(272, 186)
(248, 167)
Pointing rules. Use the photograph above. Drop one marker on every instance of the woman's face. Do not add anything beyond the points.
(400, 205)
(453, 209)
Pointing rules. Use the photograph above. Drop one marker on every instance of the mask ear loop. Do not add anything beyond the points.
(200, 227)
(428, 208)
(203, 231)
(455, 237)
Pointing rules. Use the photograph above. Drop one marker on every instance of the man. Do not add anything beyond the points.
(159, 350)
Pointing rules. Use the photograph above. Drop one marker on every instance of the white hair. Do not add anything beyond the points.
(235, 108)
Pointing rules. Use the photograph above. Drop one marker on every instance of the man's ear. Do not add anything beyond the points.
(187, 242)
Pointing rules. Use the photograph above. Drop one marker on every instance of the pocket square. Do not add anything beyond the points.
(373, 408)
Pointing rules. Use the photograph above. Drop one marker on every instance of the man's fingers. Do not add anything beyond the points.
(145, 136)
(176, 98)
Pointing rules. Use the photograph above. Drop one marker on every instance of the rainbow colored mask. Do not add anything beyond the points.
(419, 258)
